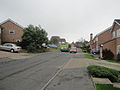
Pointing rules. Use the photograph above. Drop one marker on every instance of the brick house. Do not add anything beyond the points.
(109, 39)
(12, 32)
(62, 40)
(0, 33)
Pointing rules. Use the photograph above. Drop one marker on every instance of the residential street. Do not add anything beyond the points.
(47, 71)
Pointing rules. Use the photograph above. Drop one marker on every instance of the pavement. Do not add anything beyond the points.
(102, 81)
(74, 76)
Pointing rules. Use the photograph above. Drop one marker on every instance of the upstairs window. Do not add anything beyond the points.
(113, 34)
(118, 33)
(11, 31)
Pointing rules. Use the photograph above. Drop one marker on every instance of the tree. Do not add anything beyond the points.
(55, 40)
(84, 45)
(34, 37)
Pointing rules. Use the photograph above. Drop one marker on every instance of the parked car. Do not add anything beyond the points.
(73, 50)
(94, 51)
(52, 46)
(10, 47)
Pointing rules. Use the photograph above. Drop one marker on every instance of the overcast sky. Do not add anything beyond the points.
(70, 19)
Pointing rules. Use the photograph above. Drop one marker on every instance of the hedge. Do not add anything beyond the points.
(103, 72)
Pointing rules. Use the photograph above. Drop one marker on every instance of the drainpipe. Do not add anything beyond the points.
(1, 28)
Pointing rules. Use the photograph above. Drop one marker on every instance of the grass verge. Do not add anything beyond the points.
(90, 56)
(105, 87)
(113, 61)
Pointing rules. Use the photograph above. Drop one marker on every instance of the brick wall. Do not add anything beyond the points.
(105, 36)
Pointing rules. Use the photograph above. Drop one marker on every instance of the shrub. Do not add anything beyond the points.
(103, 72)
(33, 38)
(31, 48)
(107, 54)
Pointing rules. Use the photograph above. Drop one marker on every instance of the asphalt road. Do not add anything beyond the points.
(44, 72)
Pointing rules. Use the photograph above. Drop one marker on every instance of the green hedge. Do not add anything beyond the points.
(103, 72)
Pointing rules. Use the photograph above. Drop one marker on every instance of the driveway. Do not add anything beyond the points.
(5, 54)
(8, 56)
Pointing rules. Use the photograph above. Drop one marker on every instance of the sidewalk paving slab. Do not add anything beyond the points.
(101, 81)
(117, 85)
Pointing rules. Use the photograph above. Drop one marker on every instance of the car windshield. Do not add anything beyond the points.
(8, 44)
(73, 48)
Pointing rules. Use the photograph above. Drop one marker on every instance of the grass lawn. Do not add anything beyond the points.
(105, 87)
(90, 56)
(114, 61)
(24, 51)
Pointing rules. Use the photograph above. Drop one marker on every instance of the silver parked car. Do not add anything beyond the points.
(10, 47)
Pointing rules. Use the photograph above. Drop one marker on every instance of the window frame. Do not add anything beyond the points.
(113, 34)
(11, 30)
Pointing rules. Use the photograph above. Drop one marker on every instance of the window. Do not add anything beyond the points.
(96, 39)
(113, 34)
(11, 31)
(118, 49)
(118, 33)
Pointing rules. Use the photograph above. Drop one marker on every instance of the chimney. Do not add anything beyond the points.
(91, 36)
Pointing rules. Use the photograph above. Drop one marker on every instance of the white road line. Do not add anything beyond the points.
(61, 68)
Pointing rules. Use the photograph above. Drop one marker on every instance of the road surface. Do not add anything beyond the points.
(44, 72)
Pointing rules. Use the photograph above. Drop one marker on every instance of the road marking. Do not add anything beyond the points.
(60, 69)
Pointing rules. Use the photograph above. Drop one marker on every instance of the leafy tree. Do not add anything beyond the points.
(55, 40)
(84, 45)
(34, 37)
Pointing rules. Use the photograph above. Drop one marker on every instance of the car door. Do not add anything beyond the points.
(4, 47)
(9, 47)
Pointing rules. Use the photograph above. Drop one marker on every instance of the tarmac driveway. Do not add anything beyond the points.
(8, 56)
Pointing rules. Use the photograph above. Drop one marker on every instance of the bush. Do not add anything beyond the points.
(103, 72)
(107, 54)
(86, 49)
(33, 38)
(31, 48)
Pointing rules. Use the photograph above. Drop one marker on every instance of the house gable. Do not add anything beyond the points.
(9, 20)
(12, 32)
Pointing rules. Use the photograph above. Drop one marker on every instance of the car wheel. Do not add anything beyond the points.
(12, 50)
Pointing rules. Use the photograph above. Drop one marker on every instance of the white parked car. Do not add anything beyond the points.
(10, 47)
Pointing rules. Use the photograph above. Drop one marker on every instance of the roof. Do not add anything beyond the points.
(12, 22)
(109, 28)
(117, 21)
(62, 40)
